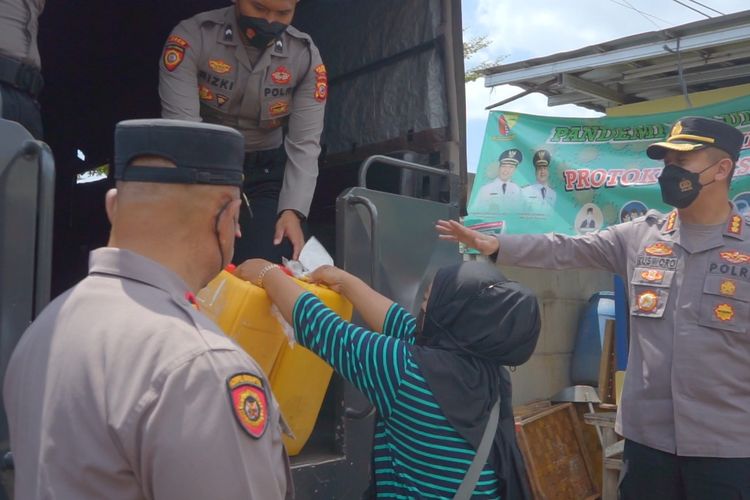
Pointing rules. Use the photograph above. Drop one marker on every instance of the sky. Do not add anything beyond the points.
(525, 29)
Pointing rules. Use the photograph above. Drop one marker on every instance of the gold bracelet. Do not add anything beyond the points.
(262, 273)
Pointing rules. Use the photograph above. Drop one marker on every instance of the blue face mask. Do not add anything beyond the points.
(680, 187)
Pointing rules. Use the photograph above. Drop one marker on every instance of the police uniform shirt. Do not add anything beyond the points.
(205, 73)
(686, 389)
(121, 390)
(499, 194)
(19, 25)
(540, 193)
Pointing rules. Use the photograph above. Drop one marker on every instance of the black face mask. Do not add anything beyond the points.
(680, 187)
(259, 31)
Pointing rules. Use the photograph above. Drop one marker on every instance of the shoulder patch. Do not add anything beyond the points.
(247, 396)
(321, 83)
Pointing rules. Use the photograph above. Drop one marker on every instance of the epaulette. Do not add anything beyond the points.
(654, 215)
(216, 16)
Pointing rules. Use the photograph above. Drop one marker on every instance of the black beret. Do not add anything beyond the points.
(203, 153)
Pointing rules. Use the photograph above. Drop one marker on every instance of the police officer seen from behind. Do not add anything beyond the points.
(20, 65)
(244, 66)
(685, 411)
(122, 388)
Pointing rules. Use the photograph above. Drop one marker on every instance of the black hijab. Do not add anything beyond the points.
(476, 322)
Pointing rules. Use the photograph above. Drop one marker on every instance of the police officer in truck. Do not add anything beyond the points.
(20, 65)
(244, 66)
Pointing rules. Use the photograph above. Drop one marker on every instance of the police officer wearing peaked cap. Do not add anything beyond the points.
(244, 66)
(122, 388)
(686, 400)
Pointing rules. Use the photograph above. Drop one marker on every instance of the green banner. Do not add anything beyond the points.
(574, 175)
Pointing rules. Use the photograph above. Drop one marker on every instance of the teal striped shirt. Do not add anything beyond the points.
(417, 453)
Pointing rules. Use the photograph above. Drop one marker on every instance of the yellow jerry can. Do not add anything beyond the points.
(298, 377)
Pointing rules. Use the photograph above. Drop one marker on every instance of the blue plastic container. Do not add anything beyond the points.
(584, 367)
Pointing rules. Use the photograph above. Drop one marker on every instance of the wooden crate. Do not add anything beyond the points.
(556, 458)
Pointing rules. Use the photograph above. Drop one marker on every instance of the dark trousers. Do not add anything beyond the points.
(264, 174)
(651, 474)
(18, 106)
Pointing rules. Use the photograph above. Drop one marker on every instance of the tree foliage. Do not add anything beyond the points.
(471, 48)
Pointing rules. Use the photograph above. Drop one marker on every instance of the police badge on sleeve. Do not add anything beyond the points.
(247, 396)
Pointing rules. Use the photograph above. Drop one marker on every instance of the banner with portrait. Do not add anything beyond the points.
(574, 175)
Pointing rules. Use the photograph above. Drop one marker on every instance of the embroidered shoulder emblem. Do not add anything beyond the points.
(659, 249)
(321, 83)
(249, 403)
(174, 52)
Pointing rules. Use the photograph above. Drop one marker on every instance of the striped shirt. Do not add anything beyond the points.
(417, 453)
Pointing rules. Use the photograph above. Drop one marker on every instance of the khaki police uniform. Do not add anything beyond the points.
(20, 64)
(206, 73)
(121, 389)
(686, 390)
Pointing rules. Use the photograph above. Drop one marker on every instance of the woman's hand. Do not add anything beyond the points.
(250, 269)
(331, 276)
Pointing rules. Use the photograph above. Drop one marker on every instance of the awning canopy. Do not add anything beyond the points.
(710, 54)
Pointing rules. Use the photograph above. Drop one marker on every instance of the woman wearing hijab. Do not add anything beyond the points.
(434, 381)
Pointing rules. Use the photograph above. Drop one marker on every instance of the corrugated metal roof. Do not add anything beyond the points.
(713, 53)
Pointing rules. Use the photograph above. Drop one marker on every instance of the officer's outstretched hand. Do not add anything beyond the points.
(454, 231)
(288, 226)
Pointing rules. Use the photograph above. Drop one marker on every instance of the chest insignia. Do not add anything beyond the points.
(724, 312)
(659, 249)
(278, 108)
(205, 93)
(734, 257)
(281, 76)
(219, 66)
(728, 287)
(647, 301)
(652, 275)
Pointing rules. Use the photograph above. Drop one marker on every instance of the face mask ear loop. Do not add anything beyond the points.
(218, 237)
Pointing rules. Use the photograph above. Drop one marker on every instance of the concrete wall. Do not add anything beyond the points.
(562, 296)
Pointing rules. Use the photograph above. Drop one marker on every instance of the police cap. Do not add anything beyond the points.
(511, 157)
(541, 158)
(696, 132)
(203, 153)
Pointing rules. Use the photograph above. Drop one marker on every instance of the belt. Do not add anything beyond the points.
(22, 76)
